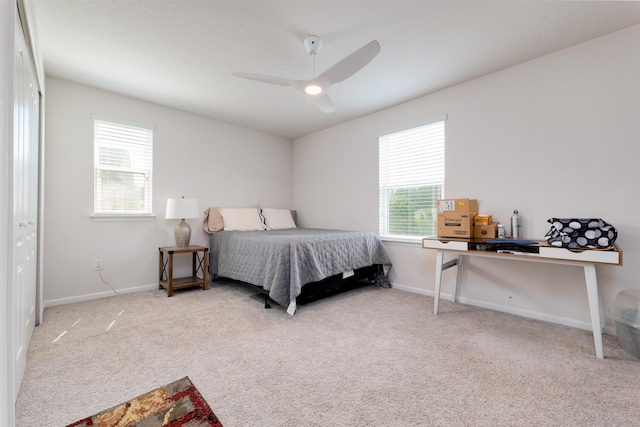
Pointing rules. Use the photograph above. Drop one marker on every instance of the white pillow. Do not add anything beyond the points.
(241, 219)
(276, 219)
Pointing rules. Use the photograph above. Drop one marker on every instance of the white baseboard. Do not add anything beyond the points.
(98, 295)
(511, 310)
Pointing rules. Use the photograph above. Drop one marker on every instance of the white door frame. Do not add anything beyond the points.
(8, 14)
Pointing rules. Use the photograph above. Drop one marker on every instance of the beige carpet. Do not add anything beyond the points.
(369, 357)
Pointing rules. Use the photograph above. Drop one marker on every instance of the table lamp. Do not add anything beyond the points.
(182, 209)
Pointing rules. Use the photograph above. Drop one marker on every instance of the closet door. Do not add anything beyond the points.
(22, 292)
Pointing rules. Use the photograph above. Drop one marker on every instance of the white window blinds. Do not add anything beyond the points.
(411, 180)
(123, 164)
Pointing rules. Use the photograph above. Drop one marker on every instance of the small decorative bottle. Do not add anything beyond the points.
(502, 233)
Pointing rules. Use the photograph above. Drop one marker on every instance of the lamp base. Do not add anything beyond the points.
(183, 234)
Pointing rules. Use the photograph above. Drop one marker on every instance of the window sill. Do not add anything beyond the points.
(122, 217)
(401, 242)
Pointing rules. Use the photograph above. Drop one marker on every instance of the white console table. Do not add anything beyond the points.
(588, 259)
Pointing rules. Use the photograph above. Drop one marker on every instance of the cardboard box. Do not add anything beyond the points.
(457, 206)
(455, 217)
(486, 231)
(482, 219)
(455, 225)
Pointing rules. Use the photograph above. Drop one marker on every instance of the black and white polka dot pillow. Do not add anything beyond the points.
(581, 233)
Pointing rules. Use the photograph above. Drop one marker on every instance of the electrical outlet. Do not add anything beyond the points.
(97, 264)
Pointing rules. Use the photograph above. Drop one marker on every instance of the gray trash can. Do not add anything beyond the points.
(625, 313)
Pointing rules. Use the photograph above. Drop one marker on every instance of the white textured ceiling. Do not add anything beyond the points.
(181, 53)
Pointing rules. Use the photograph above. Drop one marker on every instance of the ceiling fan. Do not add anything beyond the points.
(317, 87)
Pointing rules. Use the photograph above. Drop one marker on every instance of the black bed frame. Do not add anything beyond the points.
(330, 286)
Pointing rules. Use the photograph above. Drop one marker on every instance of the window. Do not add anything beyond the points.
(411, 180)
(123, 163)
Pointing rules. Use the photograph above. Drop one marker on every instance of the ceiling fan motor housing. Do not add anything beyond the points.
(313, 44)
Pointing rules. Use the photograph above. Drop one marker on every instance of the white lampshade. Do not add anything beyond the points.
(182, 208)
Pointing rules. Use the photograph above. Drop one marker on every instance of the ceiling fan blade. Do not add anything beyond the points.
(351, 64)
(324, 103)
(280, 81)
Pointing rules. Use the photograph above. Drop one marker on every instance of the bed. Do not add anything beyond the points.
(290, 264)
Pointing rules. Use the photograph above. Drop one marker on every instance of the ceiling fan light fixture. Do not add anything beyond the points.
(313, 89)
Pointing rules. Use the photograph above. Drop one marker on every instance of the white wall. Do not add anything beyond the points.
(556, 136)
(217, 163)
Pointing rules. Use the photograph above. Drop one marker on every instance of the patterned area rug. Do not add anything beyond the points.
(172, 405)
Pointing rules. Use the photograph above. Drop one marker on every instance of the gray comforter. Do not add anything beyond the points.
(281, 261)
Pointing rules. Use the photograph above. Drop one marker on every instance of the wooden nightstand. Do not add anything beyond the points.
(199, 263)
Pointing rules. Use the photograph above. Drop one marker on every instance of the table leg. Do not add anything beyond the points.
(594, 307)
(170, 275)
(160, 269)
(205, 271)
(454, 291)
(440, 266)
(436, 296)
